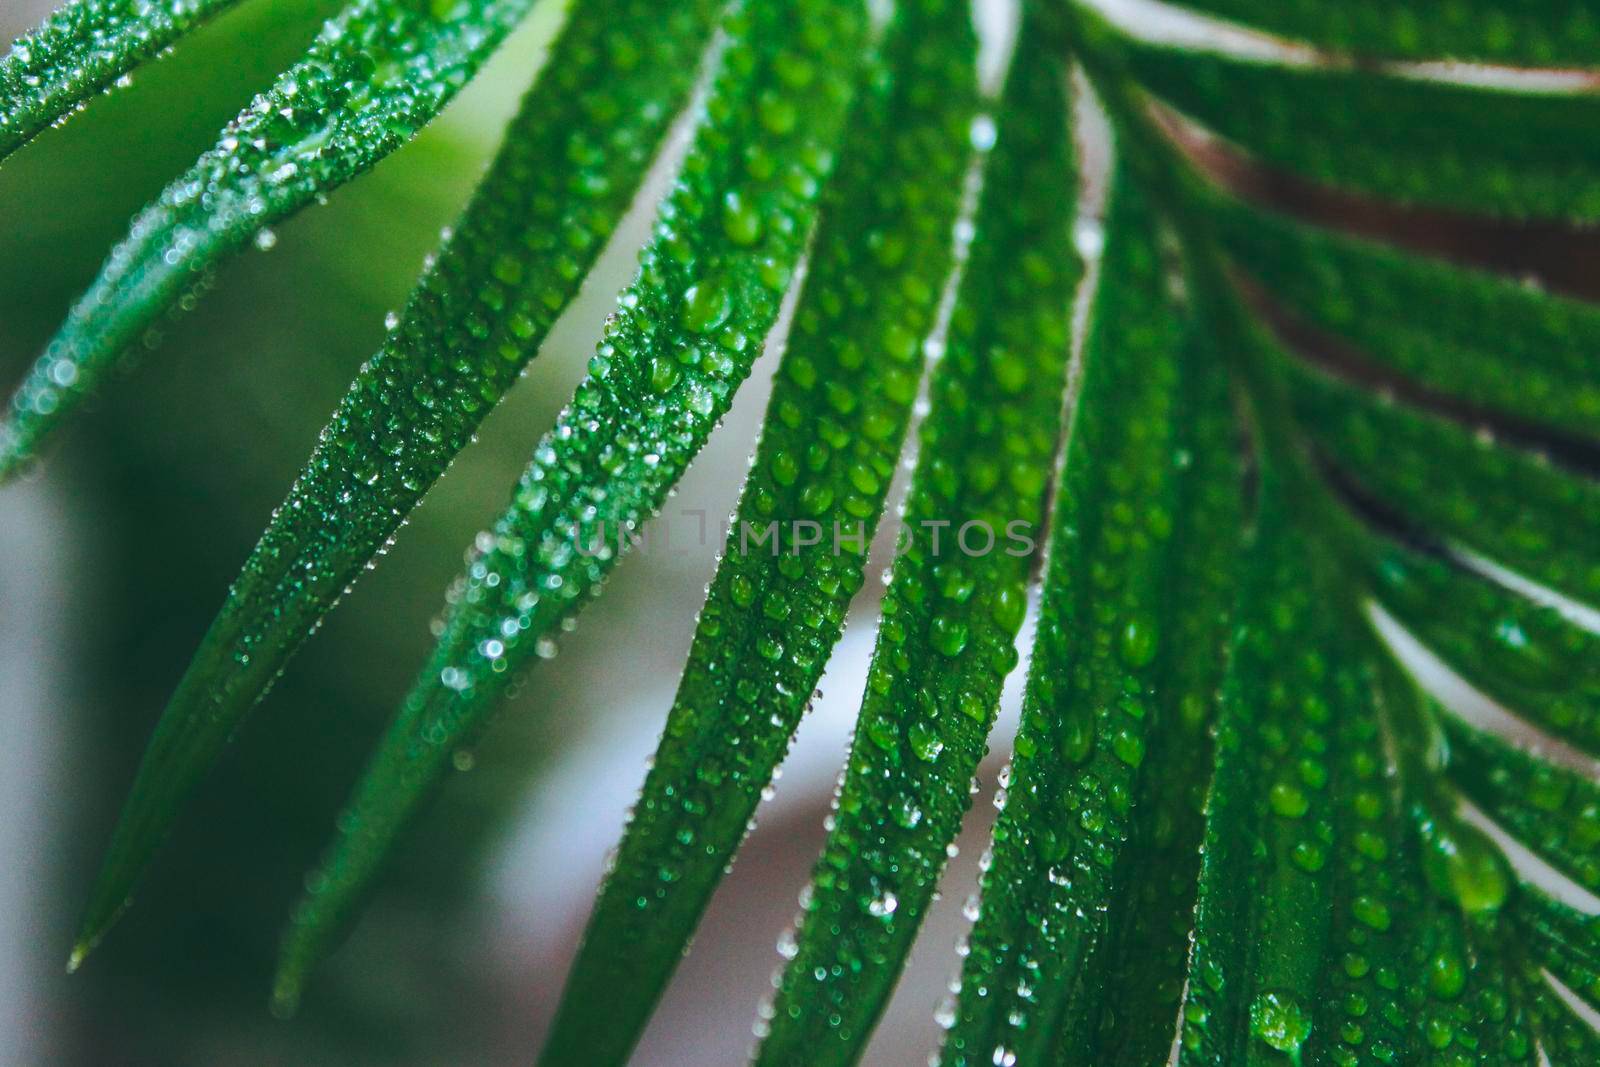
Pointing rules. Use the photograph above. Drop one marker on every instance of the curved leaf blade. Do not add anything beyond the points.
(1507, 504)
(1425, 318)
(833, 433)
(1545, 33)
(683, 338)
(516, 257)
(374, 76)
(80, 49)
(1496, 151)
(1298, 825)
(950, 616)
(1095, 851)
(1525, 655)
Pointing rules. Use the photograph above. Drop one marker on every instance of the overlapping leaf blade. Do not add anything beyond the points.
(1094, 854)
(726, 242)
(1526, 655)
(571, 162)
(794, 555)
(1300, 827)
(1424, 317)
(81, 49)
(375, 75)
(1497, 151)
(1505, 503)
(957, 594)
(1543, 33)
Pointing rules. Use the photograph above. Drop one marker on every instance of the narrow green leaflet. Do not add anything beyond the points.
(1509, 505)
(1525, 655)
(374, 76)
(1566, 1039)
(1099, 835)
(572, 159)
(81, 49)
(1563, 940)
(1530, 33)
(957, 594)
(1425, 318)
(1491, 150)
(1300, 906)
(1550, 810)
(794, 555)
(726, 241)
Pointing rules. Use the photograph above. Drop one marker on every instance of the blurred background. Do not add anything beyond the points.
(117, 551)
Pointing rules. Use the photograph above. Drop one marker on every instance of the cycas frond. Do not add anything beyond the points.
(571, 162)
(375, 75)
(1306, 559)
(841, 399)
(726, 243)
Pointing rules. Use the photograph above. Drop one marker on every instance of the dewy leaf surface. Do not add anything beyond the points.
(572, 159)
(1094, 854)
(82, 48)
(1552, 811)
(1300, 826)
(1492, 150)
(1525, 655)
(829, 448)
(1426, 318)
(1529, 33)
(374, 76)
(957, 594)
(726, 242)
(1536, 518)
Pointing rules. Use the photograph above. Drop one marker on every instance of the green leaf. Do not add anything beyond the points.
(957, 594)
(1525, 655)
(829, 448)
(572, 159)
(1079, 949)
(374, 76)
(1552, 811)
(80, 49)
(1493, 150)
(1563, 940)
(1532, 33)
(1425, 318)
(682, 340)
(1507, 504)
(1300, 828)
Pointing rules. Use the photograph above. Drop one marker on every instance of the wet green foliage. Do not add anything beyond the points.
(374, 76)
(726, 241)
(515, 259)
(1490, 150)
(1120, 694)
(1228, 792)
(1424, 318)
(80, 49)
(1529, 33)
(957, 592)
(835, 423)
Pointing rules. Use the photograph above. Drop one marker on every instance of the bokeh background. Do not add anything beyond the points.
(116, 552)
